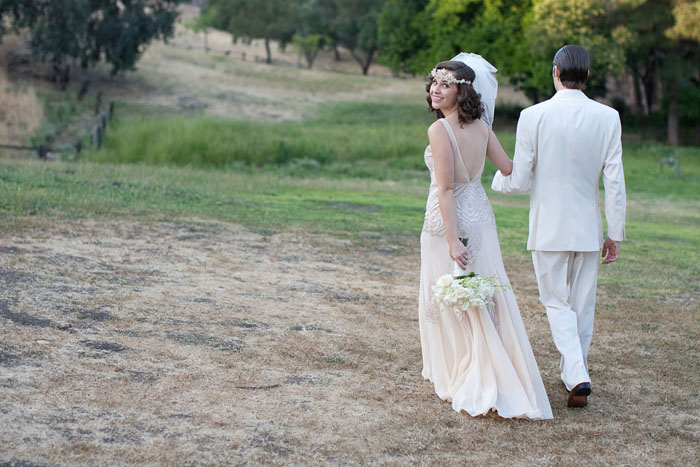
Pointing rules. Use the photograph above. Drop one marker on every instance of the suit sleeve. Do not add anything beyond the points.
(614, 184)
(523, 162)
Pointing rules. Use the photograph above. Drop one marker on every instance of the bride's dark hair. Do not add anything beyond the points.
(469, 106)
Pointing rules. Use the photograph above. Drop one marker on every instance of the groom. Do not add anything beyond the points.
(562, 147)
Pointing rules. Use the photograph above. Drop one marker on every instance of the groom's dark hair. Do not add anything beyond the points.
(573, 63)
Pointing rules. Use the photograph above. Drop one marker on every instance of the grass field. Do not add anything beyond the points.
(208, 290)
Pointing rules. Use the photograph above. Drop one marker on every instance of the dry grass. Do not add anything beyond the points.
(180, 77)
(133, 342)
(126, 342)
(21, 112)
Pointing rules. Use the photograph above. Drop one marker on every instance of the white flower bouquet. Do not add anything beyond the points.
(461, 293)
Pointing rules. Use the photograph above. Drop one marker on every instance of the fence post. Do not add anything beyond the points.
(65, 77)
(111, 109)
(84, 89)
(78, 146)
(97, 136)
(42, 151)
(98, 102)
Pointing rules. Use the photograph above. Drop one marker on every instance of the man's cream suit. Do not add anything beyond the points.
(563, 146)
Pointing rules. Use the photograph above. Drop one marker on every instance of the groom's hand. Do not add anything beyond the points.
(611, 251)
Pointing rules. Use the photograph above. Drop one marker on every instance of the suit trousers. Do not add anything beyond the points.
(567, 284)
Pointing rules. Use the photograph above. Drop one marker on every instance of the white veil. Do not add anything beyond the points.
(485, 82)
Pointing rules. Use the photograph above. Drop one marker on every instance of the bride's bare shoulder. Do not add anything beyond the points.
(436, 124)
(437, 129)
(484, 126)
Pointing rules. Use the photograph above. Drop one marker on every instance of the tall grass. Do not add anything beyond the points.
(358, 139)
(342, 138)
(21, 112)
(365, 139)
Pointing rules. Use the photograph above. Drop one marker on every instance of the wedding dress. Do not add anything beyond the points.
(482, 361)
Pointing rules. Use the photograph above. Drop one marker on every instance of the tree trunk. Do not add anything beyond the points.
(267, 49)
(364, 63)
(368, 62)
(310, 57)
(640, 100)
(672, 122)
(649, 81)
(643, 100)
(358, 59)
(336, 52)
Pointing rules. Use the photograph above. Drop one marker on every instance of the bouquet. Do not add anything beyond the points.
(462, 291)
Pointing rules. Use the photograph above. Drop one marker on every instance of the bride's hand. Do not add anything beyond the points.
(459, 254)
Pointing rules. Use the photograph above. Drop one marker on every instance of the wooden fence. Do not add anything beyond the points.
(97, 131)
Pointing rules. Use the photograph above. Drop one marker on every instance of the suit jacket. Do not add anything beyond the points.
(562, 148)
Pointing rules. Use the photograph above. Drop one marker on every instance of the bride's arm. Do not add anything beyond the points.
(524, 159)
(444, 176)
(496, 154)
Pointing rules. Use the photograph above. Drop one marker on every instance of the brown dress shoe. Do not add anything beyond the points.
(578, 397)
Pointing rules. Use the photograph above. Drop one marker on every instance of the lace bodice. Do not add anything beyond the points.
(471, 203)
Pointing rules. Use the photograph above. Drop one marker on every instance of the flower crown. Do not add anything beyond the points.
(446, 75)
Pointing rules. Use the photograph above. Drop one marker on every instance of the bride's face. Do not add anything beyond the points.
(443, 95)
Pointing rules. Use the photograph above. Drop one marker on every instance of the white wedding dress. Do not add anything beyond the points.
(484, 361)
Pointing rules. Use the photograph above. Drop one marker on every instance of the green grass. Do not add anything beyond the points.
(265, 201)
(354, 170)
(66, 119)
(364, 139)
(660, 257)
(353, 139)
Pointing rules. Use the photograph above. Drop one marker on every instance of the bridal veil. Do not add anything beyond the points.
(485, 82)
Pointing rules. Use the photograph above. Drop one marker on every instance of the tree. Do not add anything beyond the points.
(248, 19)
(655, 40)
(309, 46)
(588, 23)
(313, 21)
(499, 33)
(401, 34)
(686, 30)
(687, 21)
(449, 30)
(356, 28)
(91, 30)
(681, 76)
(664, 53)
(416, 34)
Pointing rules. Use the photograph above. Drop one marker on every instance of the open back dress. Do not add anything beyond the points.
(482, 360)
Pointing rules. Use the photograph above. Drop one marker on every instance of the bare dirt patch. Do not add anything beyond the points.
(199, 342)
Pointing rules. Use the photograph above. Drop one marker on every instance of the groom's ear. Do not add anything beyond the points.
(555, 71)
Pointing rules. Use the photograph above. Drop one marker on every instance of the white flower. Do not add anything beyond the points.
(467, 292)
(444, 281)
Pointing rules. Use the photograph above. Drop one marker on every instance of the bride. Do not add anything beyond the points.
(481, 361)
